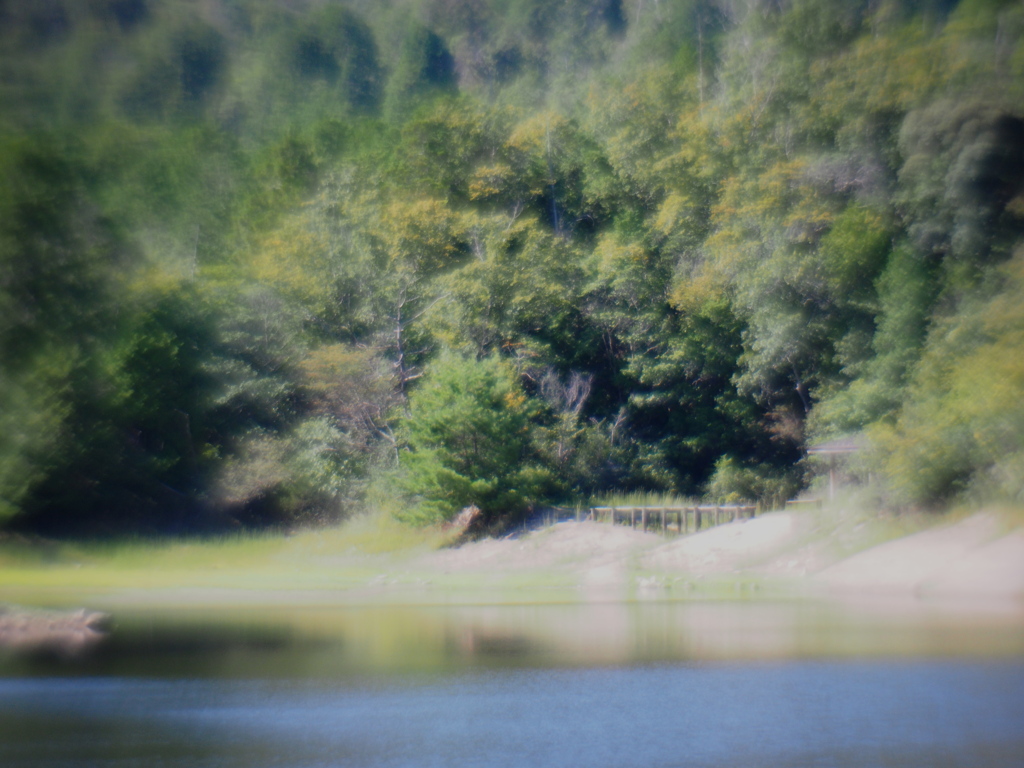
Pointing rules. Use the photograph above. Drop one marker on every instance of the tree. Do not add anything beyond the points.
(425, 69)
(333, 46)
(961, 427)
(468, 438)
(62, 262)
(964, 165)
(519, 290)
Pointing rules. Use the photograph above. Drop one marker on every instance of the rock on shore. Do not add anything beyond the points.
(66, 633)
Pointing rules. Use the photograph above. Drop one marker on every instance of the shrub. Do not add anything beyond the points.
(468, 438)
(734, 482)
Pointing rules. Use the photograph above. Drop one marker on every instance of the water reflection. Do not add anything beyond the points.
(651, 684)
(326, 641)
(845, 714)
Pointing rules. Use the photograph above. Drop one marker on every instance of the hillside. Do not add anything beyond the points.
(268, 264)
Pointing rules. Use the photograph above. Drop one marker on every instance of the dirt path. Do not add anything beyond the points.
(579, 545)
(974, 558)
(614, 562)
(729, 548)
(595, 548)
(599, 558)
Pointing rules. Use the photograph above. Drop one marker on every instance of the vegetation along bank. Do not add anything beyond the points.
(269, 263)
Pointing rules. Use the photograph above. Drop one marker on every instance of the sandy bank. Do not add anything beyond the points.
(978, 558)
(973, 558)
(729, 548)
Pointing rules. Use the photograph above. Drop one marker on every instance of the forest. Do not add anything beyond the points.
(273, 262)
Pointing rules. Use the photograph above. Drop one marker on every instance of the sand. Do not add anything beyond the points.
(979, 558)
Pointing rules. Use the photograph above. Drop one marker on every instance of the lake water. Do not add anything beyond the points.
(601, 685)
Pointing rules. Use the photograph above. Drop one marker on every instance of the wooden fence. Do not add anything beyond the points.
(660, 518)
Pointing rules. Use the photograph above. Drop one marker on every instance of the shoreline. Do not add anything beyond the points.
(973, 565)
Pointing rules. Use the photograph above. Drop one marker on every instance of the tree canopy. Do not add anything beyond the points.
(258, 256)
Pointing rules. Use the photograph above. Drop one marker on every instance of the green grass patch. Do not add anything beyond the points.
(374, 533)
(324, 558)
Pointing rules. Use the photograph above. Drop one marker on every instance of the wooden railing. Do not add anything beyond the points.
(660, 518)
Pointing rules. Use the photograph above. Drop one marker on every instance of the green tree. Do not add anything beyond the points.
(468, 433)
(964, 165)
(63, 264)
(335, 46)
(176, 72)
(961, 427)
(425, 69)
(876, 380)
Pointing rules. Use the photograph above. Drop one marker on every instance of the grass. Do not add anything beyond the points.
(316, 559)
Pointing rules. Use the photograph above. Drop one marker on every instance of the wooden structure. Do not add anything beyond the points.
(835, 452)
(660, 518)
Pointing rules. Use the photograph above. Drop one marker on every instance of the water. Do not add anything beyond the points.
(613, 685)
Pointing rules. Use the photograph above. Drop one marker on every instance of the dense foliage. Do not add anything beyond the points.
(257, 256)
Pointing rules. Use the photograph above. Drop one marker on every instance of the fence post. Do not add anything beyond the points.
(643, 518)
